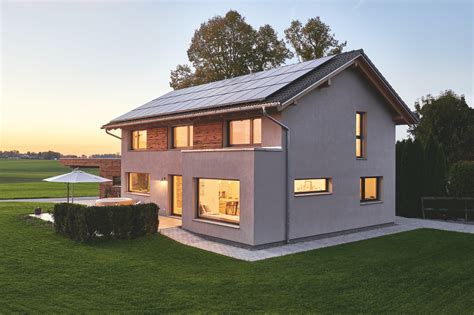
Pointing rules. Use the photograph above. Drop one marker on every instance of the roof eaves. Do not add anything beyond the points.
(187, 115)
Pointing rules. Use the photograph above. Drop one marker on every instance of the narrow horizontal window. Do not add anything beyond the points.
(245, 132)
(183, 136)
(139, 182)
(370, 189)
(138, 139)
(308, 186)
(219, 199)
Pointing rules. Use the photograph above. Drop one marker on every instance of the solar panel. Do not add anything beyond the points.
(243, 89)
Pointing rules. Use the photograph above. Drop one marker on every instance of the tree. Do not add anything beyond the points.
(448, 120)
(434, 169)
(461, 179)
(411, 174)
(399, 149)
(313, 40)
(225, 47)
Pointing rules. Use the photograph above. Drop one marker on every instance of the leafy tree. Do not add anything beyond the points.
(461, 179)
(313, 40)
(448, 120)
(225, 47)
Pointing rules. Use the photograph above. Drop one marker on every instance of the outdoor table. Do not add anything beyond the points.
(114, 201)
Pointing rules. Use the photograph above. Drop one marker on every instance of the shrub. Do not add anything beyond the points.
(83, 224)
(461, 179)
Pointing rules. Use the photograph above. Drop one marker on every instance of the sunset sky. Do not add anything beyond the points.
(69, 67)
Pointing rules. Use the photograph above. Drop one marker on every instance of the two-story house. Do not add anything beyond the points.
(215, 155)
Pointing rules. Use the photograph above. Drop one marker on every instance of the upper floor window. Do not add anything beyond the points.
(139, 182)
(312, 186)
(370, 188)
(138, 139)
(360, 135)
(183, 136)
(246, 131)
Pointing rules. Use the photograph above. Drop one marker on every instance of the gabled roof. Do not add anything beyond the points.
(279, 87)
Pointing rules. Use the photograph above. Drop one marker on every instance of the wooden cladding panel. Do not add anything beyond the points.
(157, 138)
(208, 135)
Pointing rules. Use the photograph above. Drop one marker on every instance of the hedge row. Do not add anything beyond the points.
(82, 223)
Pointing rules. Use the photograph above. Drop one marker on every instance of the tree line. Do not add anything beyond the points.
(438, 160)
(227, 46)
(50, 155)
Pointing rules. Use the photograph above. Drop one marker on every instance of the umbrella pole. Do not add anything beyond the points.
(67, 192)
(72, 193)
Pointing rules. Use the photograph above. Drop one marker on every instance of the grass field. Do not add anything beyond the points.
(422, 271)
(23, 179)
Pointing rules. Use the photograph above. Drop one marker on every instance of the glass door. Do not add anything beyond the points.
(177, 195)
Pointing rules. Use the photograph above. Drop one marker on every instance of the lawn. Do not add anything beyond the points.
(23, 179)
(425, 271)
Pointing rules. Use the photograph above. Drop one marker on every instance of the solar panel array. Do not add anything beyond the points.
(253, 87)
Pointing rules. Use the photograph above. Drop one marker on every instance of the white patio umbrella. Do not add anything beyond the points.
(76, 176)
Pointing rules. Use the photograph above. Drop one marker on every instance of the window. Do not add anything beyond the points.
(183, 136)
(247, 131)
(116, 181)
(177, 192)
(138, 139)
(360, 135)
(311, 186)
(370, 188)
(219, 199)
(139, 182)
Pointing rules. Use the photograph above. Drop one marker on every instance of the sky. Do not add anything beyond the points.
(68, 67)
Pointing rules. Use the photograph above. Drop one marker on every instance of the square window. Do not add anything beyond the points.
(370, 188)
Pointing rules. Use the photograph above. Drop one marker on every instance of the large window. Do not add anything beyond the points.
(370, 189)
(219, 199)
(360, 135)
(245, 132)
(183, 136)
(139, 182)
(311, 186)
(177, 208)
(138, 139)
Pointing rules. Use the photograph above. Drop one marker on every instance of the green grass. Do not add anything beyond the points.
(23, 179)
(422, 271)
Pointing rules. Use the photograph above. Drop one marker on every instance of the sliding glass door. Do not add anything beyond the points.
(177, 195)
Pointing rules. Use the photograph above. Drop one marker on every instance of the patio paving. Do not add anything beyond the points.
(401, 225)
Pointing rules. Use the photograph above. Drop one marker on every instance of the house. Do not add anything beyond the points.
(215, 154)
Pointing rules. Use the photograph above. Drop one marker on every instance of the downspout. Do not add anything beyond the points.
(111, 134)
(287, 173)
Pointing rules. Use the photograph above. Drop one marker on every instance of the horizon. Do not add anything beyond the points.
(61, 84)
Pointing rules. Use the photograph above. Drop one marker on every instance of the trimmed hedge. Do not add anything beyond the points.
(83, 224)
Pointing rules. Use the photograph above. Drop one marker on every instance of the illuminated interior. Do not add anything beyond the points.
(177, 195)
(138, 139)
(306, 186)
(139, 182)
(369, 188)
(183, 136)
(219, 199)
(246, 131)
